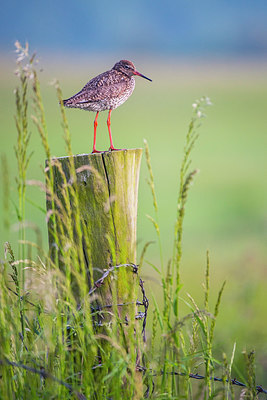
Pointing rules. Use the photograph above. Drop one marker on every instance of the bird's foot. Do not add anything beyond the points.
(96, 151)
(113, 149)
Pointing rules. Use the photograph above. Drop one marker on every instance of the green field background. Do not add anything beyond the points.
(226, 210)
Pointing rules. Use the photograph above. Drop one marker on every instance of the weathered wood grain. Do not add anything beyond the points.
(106, 188)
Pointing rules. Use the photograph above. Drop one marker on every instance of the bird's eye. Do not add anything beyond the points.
(127, 66)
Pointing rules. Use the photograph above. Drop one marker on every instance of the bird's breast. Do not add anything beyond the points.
(124, 94)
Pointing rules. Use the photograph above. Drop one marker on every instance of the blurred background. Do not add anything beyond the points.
(189, 49)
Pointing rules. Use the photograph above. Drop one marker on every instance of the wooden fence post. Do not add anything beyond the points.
(107, 192)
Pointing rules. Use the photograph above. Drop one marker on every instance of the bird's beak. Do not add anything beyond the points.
(143, 76)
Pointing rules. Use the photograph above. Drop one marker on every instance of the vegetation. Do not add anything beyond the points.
(52, 348)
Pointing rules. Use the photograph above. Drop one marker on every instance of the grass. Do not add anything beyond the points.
(191, 339)
(233, 144)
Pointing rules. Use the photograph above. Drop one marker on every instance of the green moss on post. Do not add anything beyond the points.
(106, 189)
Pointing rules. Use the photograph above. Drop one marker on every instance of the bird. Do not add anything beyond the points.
(106, 91)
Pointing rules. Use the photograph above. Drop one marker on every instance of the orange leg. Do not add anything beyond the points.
(112, 148)
(95, 126)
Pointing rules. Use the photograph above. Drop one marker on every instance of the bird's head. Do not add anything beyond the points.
(128, 68)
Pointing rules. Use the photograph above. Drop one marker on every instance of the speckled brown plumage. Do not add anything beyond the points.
(106, 91)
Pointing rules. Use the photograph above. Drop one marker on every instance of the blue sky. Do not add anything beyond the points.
(171, 27)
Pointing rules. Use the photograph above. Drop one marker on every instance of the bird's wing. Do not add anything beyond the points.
(102, 87)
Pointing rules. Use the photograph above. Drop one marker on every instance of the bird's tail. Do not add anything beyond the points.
(65, 102)
(73, 101)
